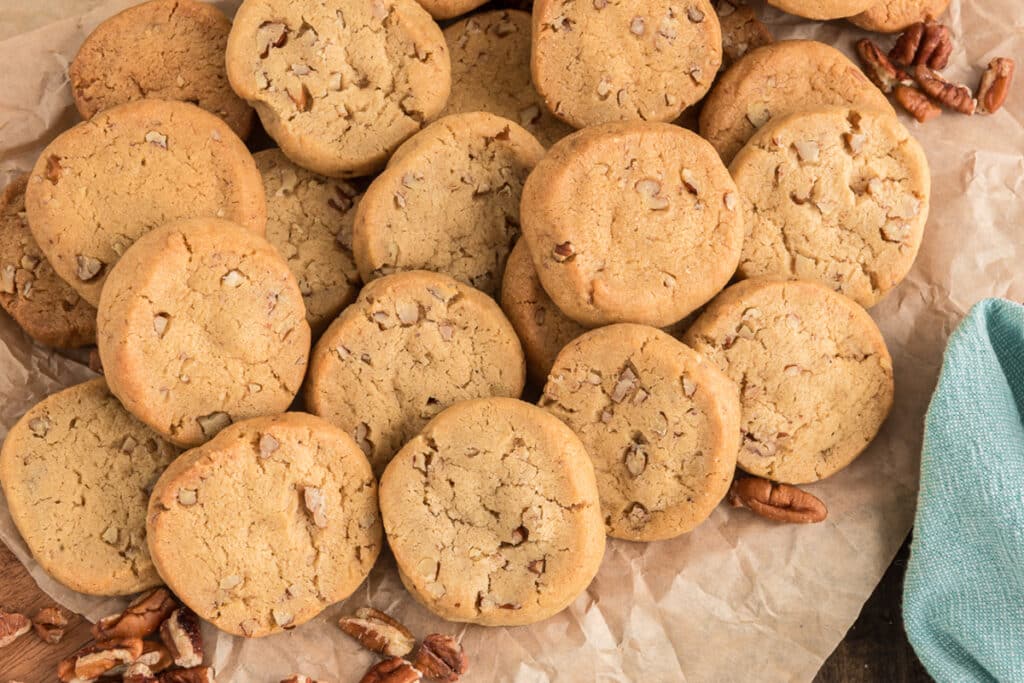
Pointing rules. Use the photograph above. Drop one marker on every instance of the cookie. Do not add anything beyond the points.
(410, 346)
(742, 31)
(448, 201)
(632, 222)
(597, 62)
(202, 325)
(40, 302)
(492, 514)
(101, 185)
(266, 525)
(836, 195)
(779, 79)
(490, 55)
(814, 374)
(447, 9)
(893, 16)
(76, 470)
(340, 84)
(661, 425)
(822, 9)
(164, 50)
(309, 220)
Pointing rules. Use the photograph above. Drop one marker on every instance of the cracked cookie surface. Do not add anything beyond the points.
(202, 325)
(490, 55)
(263, 527)
(492, 513)
(836, 195)
(892, 16)
(101, 185)
(661, 425)
(632, 222)
(822, 9)
(309, 220)
(76, 470)
(779, 79)
(814, 374)
(165, 50)
(339, 84)
(598, 61)
(30, 291)
(448, 201)
(410, 346)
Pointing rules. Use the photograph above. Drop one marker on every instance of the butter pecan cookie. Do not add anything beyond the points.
(410, 346)
(491, 72)
(162, 49)
(76, 470)
(448, 201)
(39, 301)
(814, 374)
(309, 220)
(835, 195)
(892, 16)
(101, 185)
(661, 425)
(493, 515)
(447, 9)
(201, 325)
(632, 222)
(266, 525)
(598, 61)
(822, 9)
(779, 79)
(339, 84)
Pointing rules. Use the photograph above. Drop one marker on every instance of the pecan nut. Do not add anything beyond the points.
(156, 656)
(139, 673)
(951, 95)
(197, 674)
(995, 85)
(916, 103)
(779, 502)
(393, 670)
(49, 623)
(143, 617)
(93, 661)
(378, 632)
(12, 627)
(299, 678)
(180, 633)
(441, 658)
(882, 72)
(928, 43)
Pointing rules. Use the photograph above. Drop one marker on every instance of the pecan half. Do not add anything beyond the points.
(92, 661)
(995, 85)
(880, 70)
(393, 670)
(143, 617)
(927, 43)
(916, 103)
(49, 623)
(780, 502)
(197, 674)
(180, 633)
(378, 632)
(441, 658)
(12, 627)
(951, 95)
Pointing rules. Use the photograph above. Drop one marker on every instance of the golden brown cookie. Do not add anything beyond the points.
(202, 325)
(101, 185)
(76, 470)
(410, 346)
(266, 525)
(661, 425)
(162, 49)
(447, 9)
(836, 195)
(822, 9)
(492, 513)
(742, 31)
(40, 302)
(814, 374)
(892, 16)
(339, 85)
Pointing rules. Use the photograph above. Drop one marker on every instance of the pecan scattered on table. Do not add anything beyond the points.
(995, 85)
(49, 623)
(441, 658)
(378, 632)
(951, 95)
(393, 670)
(779, 502)
(143, 617)
(926, 42)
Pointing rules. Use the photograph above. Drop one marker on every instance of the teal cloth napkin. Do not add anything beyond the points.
(963, 601)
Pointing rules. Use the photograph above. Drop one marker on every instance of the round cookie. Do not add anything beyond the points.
(778, 79)
(892, 16)
(201, 325)
(632, 222)
(309, 220)
(661, 425)
(162, 49)
(340, 84)
(76, 470)
(447, 9)
(815, 376)
(836, 195)
(822, 10)
(448, 201)
(40, 302)
(410, 346)
(101, 185)
(597, 62)
(493, 515)
(266, 525)
(490, 55)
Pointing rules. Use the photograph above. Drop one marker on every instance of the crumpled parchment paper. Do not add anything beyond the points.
(737, 599)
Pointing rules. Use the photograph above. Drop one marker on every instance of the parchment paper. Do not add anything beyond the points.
(737, 599)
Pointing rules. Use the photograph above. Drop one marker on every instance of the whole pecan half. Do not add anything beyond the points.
(927, 43)
(393, 670)
(995, 85)
(780, 502)
(92, 661)
(12, 627)
(951, 95)
(378, 632)
(143, 617)
(880, 70)
(441, 658)
(916, 103)
(49, 623)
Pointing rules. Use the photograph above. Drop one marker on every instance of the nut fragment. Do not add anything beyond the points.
(187, 497)
(271, 34)
(53, 168)
(563, 252)
(268, 444)
(92, 661)
(882, 72)
(160, 321)
(139, 673)
(636, 27)
(12, 627)
(928, 43)
(995, 85)
(155, 655)
(952, 95)
(636, 459)
(88, 267)
(213, 423)
(40, 426)
(441, 658)
(637, 515)
(316, 503)
(916, 103)
(142, 617)
(378, 632)
(7, 284)
(180, 633)
(393, 670)
(695, 15)
(299, 678)
(198, 674)
(158, 139)
(49, 623)
(627, 380)
(301, 97)
(779, 502)
(807, 150)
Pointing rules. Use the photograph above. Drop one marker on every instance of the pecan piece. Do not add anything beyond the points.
(880, 70)
(143, 617)
(92, 661)
(180, 633)
(995, 85)
(155, 655)
(393, 670)
(927, 43)
(779, 502)
(197, 674)
(12, 627)
(916, 103)
(742, 31)
(49, 623)
(441, 658)
(951, 95)
(378, 632)
(139, 673)
(298, 678)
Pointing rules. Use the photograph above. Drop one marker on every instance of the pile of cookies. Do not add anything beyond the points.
(317, 347)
